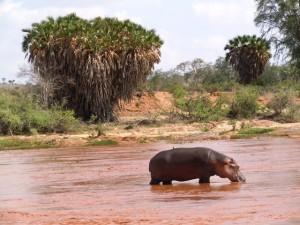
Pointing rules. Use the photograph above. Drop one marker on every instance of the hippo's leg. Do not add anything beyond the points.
(204, 180)
(167, 182)
(154, 181)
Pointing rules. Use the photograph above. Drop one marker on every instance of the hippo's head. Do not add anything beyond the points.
(230, 169)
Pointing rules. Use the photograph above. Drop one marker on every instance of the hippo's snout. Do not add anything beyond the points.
(239, 178)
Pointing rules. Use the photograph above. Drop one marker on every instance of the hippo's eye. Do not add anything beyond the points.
(233, 165)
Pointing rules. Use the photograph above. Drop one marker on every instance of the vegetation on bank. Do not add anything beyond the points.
(22, 110)
(36, 142)
(251, 132)
(102, 142)
(21, 113)
(16, 143)
(211, 92)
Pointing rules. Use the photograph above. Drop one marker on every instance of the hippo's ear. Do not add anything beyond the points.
(230, 161)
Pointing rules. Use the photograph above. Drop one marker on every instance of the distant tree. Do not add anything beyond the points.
(164, 80)
(280, 23)
(221, 72)
(248, 55)
(276, 73)
(156, 80)
(3, 80)
(45, 84)
(93, 63)
(183, 67)
(193, 71)
(221, 65)
(11, 82)
(27, 72)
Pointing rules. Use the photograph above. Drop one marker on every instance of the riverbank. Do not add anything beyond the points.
(150, 131)
(148, 118)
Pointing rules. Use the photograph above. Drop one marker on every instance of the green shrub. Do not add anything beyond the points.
(244, 104)
(15, 143)
(10, 123)
(179, 94)
(202, 109)
(107, 142)
(292, 115)
(178, 91)
(280, 102)
(222, 86)
(251, 132)
(284, 107)
(19, 114)
(64, 120)
(100, 129)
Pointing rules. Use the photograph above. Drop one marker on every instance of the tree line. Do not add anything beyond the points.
(92, 65)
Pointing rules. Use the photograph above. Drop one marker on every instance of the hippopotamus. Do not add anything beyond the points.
(182, 164)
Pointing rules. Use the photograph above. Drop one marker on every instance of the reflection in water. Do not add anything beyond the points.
(110, 186)
(194, 188)
(196, 192)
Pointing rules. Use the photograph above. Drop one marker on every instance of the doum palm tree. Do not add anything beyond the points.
(248, 55)
(93, 64)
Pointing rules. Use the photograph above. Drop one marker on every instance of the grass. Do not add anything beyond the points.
(251, 132)
(15, 143)
(102, 142)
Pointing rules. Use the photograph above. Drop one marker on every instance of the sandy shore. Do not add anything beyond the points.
(171, 132)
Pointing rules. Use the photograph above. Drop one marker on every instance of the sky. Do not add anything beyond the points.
(189, 28)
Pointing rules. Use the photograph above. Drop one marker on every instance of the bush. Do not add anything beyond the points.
(292, 115)
(178, 91)
(179, 94)
(200, 108)
(244, 104)
(63, 120)
(284, 107)
(280, 102)
(20, 114)
(10, 123)
(222, 86)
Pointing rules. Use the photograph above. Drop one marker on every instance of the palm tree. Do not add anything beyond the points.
(248, 55)
(94, 64)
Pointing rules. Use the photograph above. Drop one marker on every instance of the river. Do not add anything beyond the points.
(110, 185)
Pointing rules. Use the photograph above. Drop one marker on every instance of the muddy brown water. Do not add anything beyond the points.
(110, 186)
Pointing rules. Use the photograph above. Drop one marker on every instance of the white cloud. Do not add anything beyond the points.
(14, 16)
(123, 15)
(211, 42)
(19, 13)
(225, 11)
(211, 46)
(7, 6)
(171, 54)
(224, 20)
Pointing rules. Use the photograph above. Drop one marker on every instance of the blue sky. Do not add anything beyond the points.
(190, 28)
